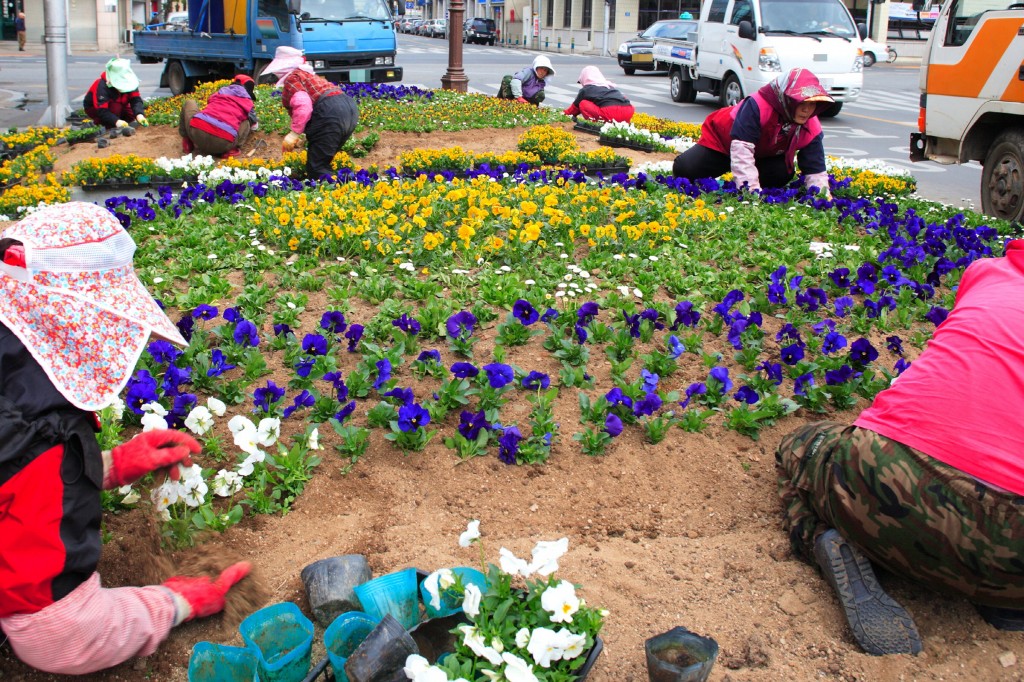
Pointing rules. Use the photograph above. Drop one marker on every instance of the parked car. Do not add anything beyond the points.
(437, 28)
(423, 27)
(479, 30)
(404, 25)
(636, 54)
(877, 52)
(176, 21)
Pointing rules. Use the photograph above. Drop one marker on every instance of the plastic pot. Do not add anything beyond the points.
(219, 663)
(434, 637)
(680, 656)
(281, 638)
(450, 601)
(343, 637)
(381, 656)
(329, 585)
(394, 594)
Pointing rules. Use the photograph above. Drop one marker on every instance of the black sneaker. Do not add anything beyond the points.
(1011, 620)
(879, 624)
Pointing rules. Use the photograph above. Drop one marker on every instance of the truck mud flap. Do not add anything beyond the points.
(917, 144)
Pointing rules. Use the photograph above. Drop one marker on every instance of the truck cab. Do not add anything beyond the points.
(972, 98)
(745, 44)
(350, 40)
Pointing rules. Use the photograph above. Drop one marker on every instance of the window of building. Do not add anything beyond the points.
(549, 19)
(567, 14)
(650, 11)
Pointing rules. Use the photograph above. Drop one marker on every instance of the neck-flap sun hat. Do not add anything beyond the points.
(71, 295)
(120, 75)
(287, 59)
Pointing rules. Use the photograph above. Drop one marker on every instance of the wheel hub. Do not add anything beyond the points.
(1006, 187)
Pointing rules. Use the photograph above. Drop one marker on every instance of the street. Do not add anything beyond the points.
(876, 126)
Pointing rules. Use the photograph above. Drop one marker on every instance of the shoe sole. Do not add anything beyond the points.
(879, 624)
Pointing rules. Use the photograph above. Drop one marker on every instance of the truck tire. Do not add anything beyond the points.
(680, 88)
(257, 73)
(833, 110)
(732, 91)
(176, 79)
(1002, 177)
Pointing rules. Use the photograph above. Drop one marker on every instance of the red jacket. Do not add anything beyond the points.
(106, 106)
(224, 112)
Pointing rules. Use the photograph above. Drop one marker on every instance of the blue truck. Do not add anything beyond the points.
(346, 41)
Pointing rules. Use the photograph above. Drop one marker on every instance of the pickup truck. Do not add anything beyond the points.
(344, 40)
(741, 45)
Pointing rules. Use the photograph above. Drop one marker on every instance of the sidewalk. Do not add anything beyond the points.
(9, 48)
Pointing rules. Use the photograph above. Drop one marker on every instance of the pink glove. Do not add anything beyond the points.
(521, 100)
(149, 451)
(205, 596)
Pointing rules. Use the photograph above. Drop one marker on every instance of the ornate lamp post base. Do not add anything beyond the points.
(455, 79)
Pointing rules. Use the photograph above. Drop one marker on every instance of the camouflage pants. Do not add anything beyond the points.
(906, 511)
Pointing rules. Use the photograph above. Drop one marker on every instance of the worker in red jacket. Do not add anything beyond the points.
(223, 126)
(74, 319)
(114, 101)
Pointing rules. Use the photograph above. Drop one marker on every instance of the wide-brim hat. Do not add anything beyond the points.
(120, 75)
(77, 304)
(286, 59)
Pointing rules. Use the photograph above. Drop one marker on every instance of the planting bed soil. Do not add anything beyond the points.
(686, 532)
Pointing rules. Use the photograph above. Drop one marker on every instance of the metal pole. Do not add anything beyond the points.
(607, 19)
(455, 79)
(55, 38)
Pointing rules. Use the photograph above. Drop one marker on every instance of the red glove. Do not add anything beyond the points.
(521, 100)
(149, 451)
(205, 596)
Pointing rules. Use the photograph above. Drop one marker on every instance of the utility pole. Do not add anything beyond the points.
(607, 19)
(55, 37)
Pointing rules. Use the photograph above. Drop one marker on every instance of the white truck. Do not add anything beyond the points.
(741, 45)
(972, 98)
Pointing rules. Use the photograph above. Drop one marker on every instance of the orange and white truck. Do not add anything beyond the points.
(972, 98)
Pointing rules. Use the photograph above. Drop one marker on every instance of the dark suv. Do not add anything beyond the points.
(478, 30)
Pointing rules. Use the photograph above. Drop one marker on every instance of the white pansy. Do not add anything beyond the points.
(249, 464)
(546, 555)
(117, 408)
(154, 408)
(226, 483)
(638, 293)
(199, 420)
(522, 637)
(414, 665)
(131, 497)
(217, 407)
(471, 600)
(623, 289)
(314, 440)
(529, 282)
(512, 564)
(471, 533)
(165, 494)
(560, 601)
(248, 439)
(518, 670)
(471, 637)
(545, 647)
(269, 431)
(239, 422)
(153, 422)
(432, 674)
(437, 582)
(572, 645)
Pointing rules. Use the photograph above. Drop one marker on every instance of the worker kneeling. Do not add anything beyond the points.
(223, 126)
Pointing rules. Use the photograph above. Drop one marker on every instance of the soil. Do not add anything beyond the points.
(686, 533)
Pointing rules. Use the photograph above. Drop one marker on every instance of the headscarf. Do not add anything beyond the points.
(543, 61)
(591, 75)
(788, 90)
(68, 291)
(287, 59)
(120, 75)
(247, 83)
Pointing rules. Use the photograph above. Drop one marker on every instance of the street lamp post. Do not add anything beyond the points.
(455, 79)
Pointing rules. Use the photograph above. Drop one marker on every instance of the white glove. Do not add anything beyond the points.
(121, 123)
(142, 120)
(290, 141)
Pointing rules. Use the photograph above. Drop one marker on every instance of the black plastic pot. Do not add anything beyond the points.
(680, 656)
(434, 637)
(381, 656)
(624, 144)
(329, 584)
(591, 130)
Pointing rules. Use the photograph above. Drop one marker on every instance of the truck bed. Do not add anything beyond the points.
(158, 45)
(675, 51)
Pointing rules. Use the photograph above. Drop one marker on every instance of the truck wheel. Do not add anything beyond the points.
(732, 91)
(869, 59)
(176, 79)
(1002, 178)
(680, 88)
(257, 73)
(833, 110)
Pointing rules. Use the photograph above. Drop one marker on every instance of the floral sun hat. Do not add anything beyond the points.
(71, 295)
(287, 59)
(120, 75)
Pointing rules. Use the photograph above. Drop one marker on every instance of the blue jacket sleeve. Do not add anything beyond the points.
(746, 127)
(811, 158)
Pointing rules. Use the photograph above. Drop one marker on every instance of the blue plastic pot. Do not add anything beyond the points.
(219, 663)
(395, 594)
(281, 638)
(450, 601)
(680, 656)
(343, 636)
